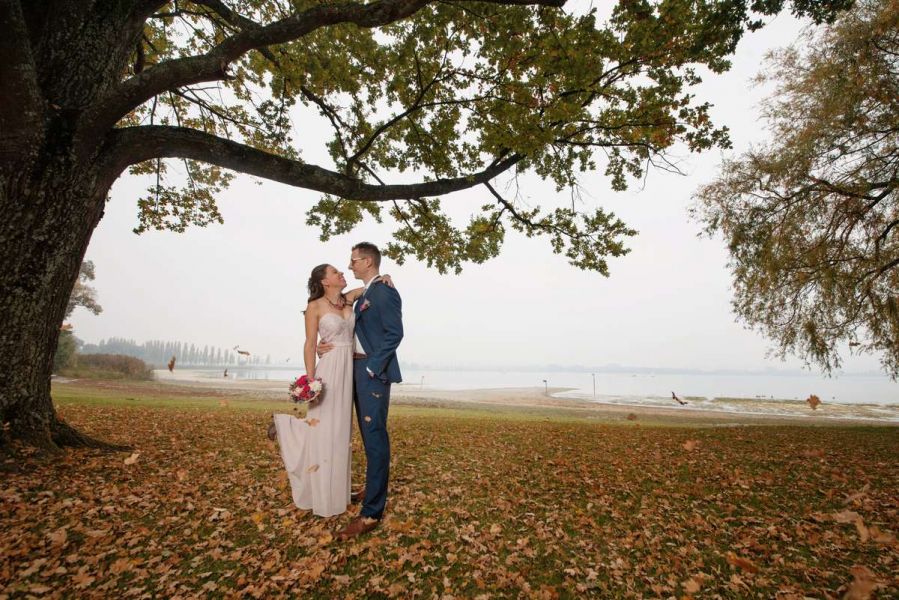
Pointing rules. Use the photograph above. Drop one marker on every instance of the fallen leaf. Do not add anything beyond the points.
(59, 537)
(813, 401)
(312, 469)
(181, 474)
(863, 584)
(846, 516)
(691, 586)
(743, 563)
(691, 445)
(881, 537)
(312, 422)
(132, 459)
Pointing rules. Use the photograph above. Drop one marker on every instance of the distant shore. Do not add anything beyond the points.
(525, 398)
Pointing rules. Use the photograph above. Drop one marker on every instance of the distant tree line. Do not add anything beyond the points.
(158, 353)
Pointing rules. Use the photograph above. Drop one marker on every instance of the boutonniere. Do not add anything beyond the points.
(365, 305)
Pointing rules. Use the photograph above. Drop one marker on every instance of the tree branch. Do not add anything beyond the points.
(132, 145)
(21, 101)
(214, 64)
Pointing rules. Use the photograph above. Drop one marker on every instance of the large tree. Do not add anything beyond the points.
(458, 92)
(812, 217)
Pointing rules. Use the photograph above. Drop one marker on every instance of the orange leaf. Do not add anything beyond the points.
(59, 537)
(691, 445)
(312, 469)
(312, 422)
(863, 584)
(743, 563)
(881, 537)
(132, 459)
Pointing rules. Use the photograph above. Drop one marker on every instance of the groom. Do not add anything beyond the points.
(379, 330)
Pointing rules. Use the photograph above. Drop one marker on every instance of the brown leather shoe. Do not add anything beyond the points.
(357, 527)
(357, 497)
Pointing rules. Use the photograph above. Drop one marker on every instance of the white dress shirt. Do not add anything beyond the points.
(361, 298)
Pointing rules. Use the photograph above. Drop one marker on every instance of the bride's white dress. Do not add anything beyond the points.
(316, 450)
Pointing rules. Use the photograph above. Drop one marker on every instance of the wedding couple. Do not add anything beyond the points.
(356, 336)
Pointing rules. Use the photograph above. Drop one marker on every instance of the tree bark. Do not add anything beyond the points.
(50, 211)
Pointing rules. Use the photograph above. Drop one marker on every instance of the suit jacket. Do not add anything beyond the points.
(379, 326)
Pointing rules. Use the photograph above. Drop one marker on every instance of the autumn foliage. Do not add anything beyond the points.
(485, 503)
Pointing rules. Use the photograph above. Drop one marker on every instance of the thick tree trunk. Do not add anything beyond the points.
(50, 211)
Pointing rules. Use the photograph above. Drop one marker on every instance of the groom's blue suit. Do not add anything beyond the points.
(379, 327)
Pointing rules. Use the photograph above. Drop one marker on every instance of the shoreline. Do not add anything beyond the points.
(532, 398)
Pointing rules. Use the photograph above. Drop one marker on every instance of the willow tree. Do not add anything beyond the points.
(812, 218)
(456, 92)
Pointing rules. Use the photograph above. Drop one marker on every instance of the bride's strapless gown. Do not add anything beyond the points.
(316, 450)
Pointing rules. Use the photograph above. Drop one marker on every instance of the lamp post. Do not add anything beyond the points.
(545, 388)
(594, 385)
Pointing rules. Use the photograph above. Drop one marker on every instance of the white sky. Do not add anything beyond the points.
(666, 304)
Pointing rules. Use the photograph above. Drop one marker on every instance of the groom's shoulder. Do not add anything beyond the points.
(381, 288)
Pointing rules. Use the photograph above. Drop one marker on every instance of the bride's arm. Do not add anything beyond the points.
(311, 339)
(353, 295)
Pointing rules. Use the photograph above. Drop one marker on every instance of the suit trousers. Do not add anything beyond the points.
(371, 397)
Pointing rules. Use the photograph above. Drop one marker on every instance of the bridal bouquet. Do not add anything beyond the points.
(305, 389)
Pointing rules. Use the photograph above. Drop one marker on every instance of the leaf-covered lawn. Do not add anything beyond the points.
(483, 504)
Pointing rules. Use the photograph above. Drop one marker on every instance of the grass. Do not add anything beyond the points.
(485, 501)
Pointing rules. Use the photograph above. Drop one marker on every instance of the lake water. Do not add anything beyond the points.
(847, 396)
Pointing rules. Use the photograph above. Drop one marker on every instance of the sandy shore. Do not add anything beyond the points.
(535, 399)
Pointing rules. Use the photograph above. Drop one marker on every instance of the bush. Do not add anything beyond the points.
(108, 366)
(65, 351)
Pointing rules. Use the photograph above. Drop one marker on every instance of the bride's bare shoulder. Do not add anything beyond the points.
(313, 308)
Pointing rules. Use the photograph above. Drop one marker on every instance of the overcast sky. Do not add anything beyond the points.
(666, 304)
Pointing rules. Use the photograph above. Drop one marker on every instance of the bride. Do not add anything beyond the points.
(316, 450)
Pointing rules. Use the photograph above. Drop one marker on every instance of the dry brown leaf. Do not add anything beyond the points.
(181, 474)
(132, 459)
(846, 516)
(743, 563)
(864, 583)
(814, 401)
(312, 422)
(881, 537)
(691, 445)
(81, 579)
(58, 537)
(312, 469)
(692, 585)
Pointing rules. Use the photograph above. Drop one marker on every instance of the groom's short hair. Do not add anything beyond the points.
(371, 251)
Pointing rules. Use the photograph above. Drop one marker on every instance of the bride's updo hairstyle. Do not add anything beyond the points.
(316, 288)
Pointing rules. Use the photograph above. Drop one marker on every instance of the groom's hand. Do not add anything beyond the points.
(323, 349)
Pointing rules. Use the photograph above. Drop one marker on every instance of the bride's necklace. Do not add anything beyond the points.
(341, 302)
